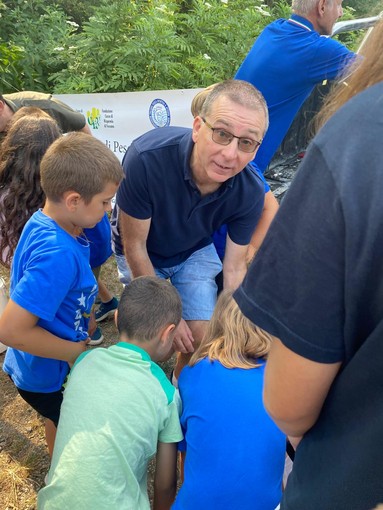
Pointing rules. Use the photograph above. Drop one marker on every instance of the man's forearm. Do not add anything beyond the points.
(232, 278)
(139, 261)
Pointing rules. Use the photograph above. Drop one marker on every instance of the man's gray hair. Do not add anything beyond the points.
(305, 6)
(240, 92)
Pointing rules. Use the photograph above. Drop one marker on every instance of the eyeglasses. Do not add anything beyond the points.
(223, 137)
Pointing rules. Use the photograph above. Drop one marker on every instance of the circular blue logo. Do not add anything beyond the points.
(159, 113)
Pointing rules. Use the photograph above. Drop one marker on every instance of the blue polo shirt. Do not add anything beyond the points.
(158, 184)
(285, 63)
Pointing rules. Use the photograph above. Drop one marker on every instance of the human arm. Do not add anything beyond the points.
(234, 264)
(270, 209)
(165, 478)
(295, 388)
(134, 233)
(19, 330)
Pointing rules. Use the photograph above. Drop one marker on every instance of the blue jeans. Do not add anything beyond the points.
(194, 279)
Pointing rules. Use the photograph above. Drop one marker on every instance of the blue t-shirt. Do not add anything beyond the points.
(234, 452)
(50, 278)
(100, 242)
(285, 63)
(158, 184)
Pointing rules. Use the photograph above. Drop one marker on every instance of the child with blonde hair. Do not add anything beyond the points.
(234, 453)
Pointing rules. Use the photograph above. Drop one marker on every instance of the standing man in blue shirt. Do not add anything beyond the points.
(180, 186)
(288, 59)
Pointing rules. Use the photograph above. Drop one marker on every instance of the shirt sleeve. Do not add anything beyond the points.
(330, 60)
(48, 275)
(295, 287)
(171, 432)
(133, 195)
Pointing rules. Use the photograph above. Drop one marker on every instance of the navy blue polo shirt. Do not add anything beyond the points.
(285, 63)
(158, 184)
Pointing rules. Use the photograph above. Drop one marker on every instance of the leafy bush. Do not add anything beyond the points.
(129, 45)
(32, 31)
(125, 45)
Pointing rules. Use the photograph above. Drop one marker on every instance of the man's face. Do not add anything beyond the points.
(332, 10)
(213, 163)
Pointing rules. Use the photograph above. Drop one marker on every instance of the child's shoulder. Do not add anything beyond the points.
(42, 233)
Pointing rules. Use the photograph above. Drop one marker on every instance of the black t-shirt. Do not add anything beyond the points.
(317, 284)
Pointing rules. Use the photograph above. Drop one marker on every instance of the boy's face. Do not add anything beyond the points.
(88, 215)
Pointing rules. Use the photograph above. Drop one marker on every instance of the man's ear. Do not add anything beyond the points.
(197, 124)
(72, 200)
(321, 7)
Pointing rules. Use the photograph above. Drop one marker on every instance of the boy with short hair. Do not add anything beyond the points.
(105, 439)
(52, 288)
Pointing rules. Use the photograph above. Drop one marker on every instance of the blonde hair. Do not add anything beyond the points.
(231, 338)
(360, 74)
(199, 99)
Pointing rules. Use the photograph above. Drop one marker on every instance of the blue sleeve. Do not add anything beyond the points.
(330, 59)
(133, 195)
(260, 174)
(100, 242)
(49, 274)
(241, 227)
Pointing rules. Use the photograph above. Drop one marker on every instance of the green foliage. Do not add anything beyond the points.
(364, 8)
(143, 45)
(32, 31)
(350, 39)
(78, 11)
(10, 67)
(125, 45)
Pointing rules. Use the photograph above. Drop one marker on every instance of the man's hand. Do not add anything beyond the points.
(183, 338)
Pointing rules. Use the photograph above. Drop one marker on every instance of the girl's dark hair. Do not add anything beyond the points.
(27, 139)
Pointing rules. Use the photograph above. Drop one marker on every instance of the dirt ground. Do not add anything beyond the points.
(24, 459)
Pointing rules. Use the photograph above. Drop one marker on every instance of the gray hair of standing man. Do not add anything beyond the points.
(306, 6)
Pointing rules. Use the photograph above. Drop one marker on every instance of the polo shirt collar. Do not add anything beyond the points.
(301, 22)
(133, 347)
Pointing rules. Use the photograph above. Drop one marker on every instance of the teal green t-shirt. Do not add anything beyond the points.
(117, 405)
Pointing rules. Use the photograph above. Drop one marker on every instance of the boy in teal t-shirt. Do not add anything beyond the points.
(105, 439)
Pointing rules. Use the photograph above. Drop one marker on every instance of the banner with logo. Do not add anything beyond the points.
(117, 119)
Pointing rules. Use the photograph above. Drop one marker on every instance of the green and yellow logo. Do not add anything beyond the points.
(94, 118)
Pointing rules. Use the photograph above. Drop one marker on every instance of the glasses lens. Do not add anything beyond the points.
(247, 145)
(221, 136)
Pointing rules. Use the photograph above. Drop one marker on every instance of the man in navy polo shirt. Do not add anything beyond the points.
(180, 186)
(288, 59)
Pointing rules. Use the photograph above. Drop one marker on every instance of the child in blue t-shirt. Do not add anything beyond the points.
(233, 452)
(52, 287)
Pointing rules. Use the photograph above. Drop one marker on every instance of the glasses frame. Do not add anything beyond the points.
(231, 137)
